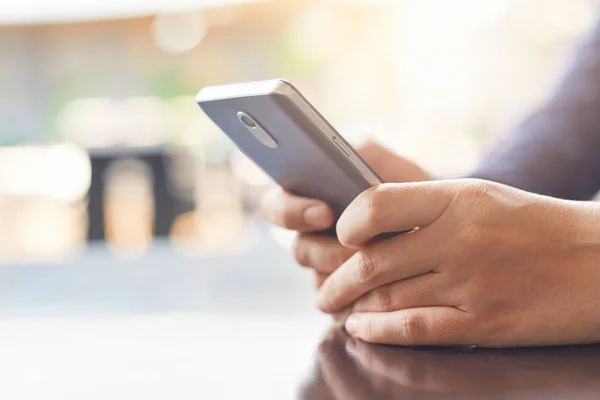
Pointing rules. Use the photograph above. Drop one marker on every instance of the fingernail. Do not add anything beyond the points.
(316, 216)
(352, 324)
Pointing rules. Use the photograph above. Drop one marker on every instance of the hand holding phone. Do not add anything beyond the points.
(309, 214)
(324, 253)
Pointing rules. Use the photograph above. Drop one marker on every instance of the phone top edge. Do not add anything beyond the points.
(245, 89)
(284, 88)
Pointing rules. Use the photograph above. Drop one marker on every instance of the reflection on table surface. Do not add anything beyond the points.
(349, 369)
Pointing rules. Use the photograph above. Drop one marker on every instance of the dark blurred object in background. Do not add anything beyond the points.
(149, 166)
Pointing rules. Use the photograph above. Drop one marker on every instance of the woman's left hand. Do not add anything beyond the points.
(489, 265)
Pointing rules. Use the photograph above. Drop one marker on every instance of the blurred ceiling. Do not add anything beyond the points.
(31, 12)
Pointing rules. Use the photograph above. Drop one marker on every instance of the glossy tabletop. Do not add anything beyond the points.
(349, 369)
(239, 326)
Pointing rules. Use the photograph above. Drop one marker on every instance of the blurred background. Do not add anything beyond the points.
(132, 262)
(100, 138)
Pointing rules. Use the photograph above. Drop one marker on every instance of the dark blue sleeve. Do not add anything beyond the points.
(556, 151)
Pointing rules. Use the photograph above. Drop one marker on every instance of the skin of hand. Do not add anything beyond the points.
(308, 217)
(490, 265)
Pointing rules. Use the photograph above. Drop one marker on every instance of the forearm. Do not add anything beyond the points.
(556, 151)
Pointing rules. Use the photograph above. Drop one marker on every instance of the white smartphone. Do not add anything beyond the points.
(274, 125)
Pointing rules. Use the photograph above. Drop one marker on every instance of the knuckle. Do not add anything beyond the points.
(367, 266)
(369, 330)
(491, 330)
(337, 257)
(475, 187)
(413, 328)
(377, 202)
(384, 299)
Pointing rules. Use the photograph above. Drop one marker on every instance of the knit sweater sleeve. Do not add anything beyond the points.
(556, 151)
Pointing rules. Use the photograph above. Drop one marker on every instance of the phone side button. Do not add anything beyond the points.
(342, 147)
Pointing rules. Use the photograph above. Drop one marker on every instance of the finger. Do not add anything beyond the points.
(422, 291)
(382, 263)
(323, 253)
(393, 207)
(427, 326)
(319, 279)
(388, 165)
(297, 213)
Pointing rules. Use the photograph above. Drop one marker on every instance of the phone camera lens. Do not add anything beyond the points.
(246, 120)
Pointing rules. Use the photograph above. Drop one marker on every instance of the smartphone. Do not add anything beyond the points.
(276, 127)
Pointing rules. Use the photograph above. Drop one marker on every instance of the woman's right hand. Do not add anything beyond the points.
(309, 217)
